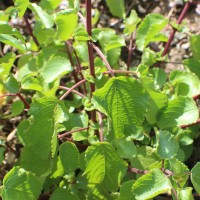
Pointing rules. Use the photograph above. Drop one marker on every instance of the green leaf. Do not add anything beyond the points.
(66, 22)
(31, 83)
(180, 171)
(195, 177)
(185, 193)
(179, 111)
(47, 20)
(12, 41)
(49, 4)
(62, 194)
(148, 57)
(11, 84)
(195, 43)
(124, 101)
(185, 83)
(69, 157)
(126, 149)
(37, 136)
(21, 6)
(54, 68)
(131, 22)
(167, 145)
(16, 109)
(2, 150)
(151, 185)
(116, 7)
(103, 166)
(126, 191)
(157, 102)
(149, 29)
(6, 63)
(193, 65)
(146, 158)
(21, 184)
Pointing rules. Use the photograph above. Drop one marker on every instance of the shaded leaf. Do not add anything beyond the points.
(195, 177)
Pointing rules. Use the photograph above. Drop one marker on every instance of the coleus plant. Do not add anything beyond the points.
(95, 128)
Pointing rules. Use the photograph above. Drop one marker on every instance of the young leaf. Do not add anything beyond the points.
(167, 145)
(195, 43)
(103, 166)
(63, 194)
(193, 65)
(149, 30)
(69, 157)
(47, 20)
(21, 6)
(185, 193)
(180, 171)
(11, 84)
(151, 185)
(185, 83)
(21, 184)
(55, 67)
(124, 101)
(116, 7)
(179, 111)
(12, 41)
(126, 191)
(195, 174)
(131, 22)
(31, 83)
(66, 22)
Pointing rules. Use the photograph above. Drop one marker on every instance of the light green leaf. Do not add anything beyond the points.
(21, 184)
(131, 22)
(103, 166)
(195, 43)
(157, 101)
(49, 4)
(185, 193)
(47, 20)
(179, 111)
(124, 101)
(11, 84)
(151, 185)
(126, 149)
(66, 22)
(63, 194)
(36, 135)
(185, 83)
(12, 41)
(21, 6)
(54, 68)
(149, 30)
(180, 171)
(116, 7)
(6, 63)
(69, 157)
(193, 65)
(195, 177)
(167, 145)
(31, 83)
(126, 191)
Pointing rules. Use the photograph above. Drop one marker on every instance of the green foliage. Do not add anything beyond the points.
(95, 132)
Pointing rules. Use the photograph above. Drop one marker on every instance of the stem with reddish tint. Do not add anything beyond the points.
(180, 19)
(70, 132)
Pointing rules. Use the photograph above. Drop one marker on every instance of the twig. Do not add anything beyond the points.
(29, 28)
(8, 95)
(180, 19)
(23, 100)
(70, 132)
(82, 18)
(121, 72)
(189, 125)
(72, 88)
(196, 97)
(130, 51)
(137, 171)
(74, 91)
(104, 59)
(101, 135)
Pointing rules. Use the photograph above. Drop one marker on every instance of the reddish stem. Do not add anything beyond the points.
(70, 132)
(72, 88)
(23, 100)
(180, 19)
(130, 51)
(101, 135)
(30, 30)
(189, 125)
(74, 91)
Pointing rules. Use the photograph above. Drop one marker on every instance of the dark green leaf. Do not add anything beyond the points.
(195, 177)
(116, 7)
(11, 84)
(62, 194)
(126, 191)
